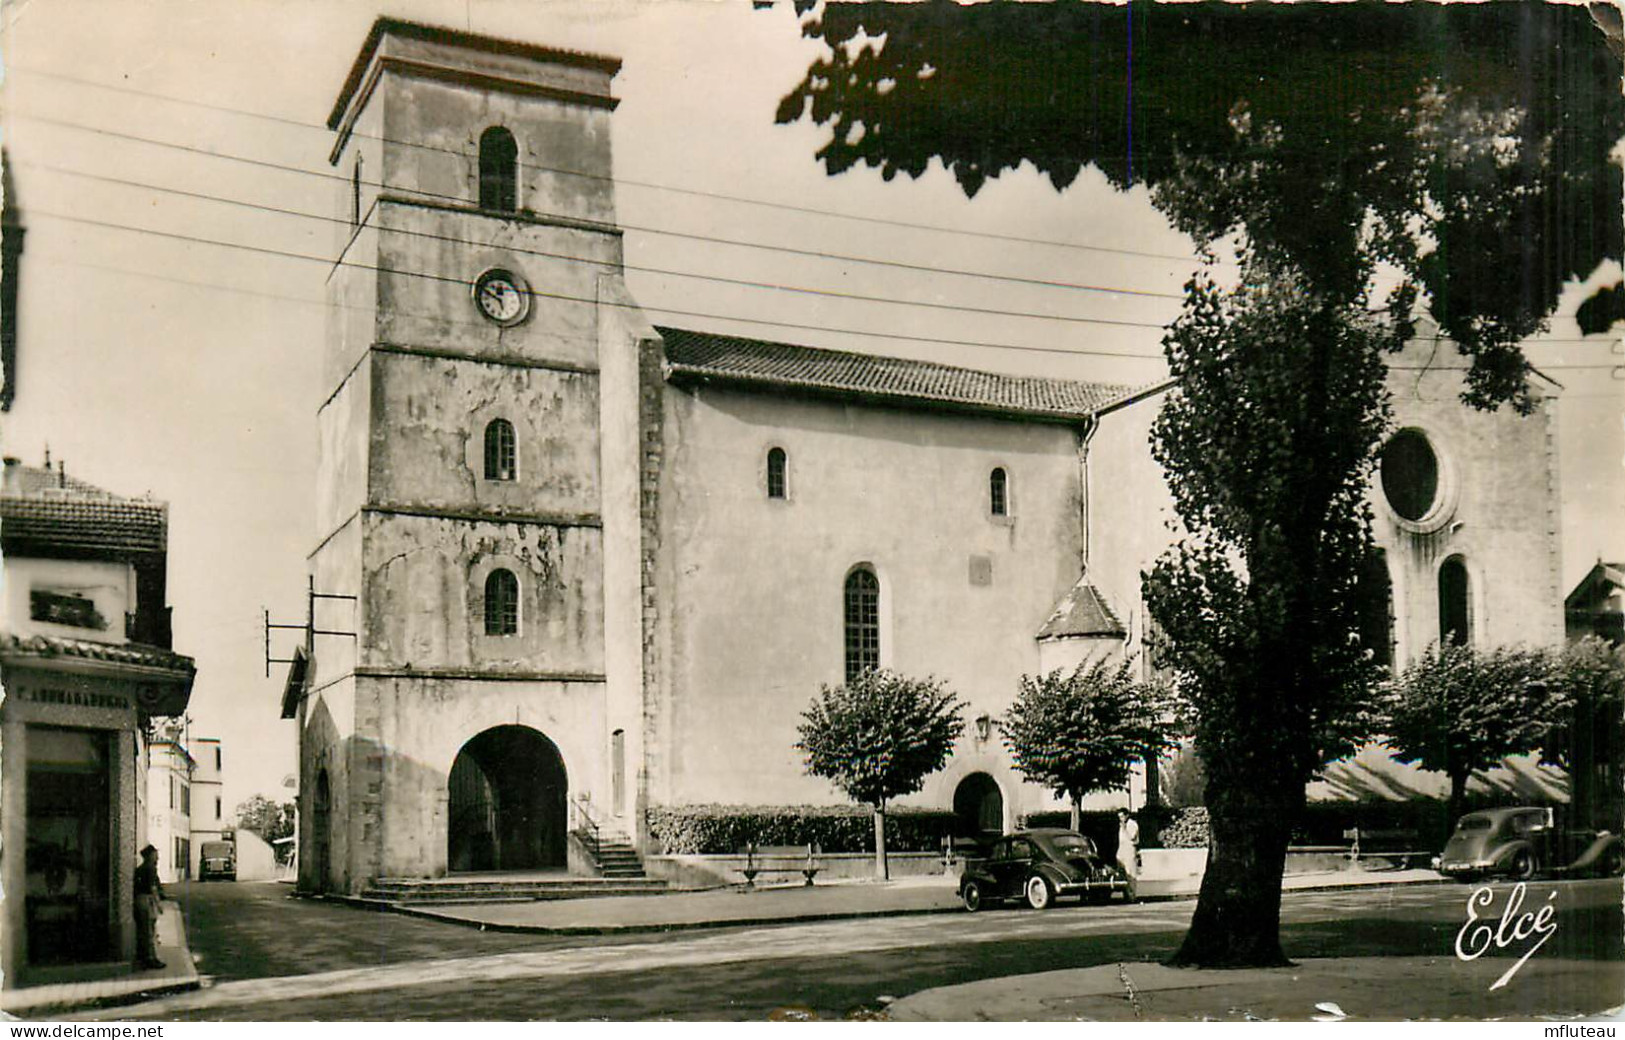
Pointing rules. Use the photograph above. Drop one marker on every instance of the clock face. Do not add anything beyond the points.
(501, 297)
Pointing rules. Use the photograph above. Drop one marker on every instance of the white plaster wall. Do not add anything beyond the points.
(110, 586)
(757, 585)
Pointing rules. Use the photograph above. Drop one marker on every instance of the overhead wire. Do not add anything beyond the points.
(567, 297)
(619, 181)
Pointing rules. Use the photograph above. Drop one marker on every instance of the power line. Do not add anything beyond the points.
(621, 181)
(814, 254)
(566, 297)
(745, 282)
(713, 239)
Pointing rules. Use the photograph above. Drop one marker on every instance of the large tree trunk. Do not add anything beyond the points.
(1238, 912)
(881, 871)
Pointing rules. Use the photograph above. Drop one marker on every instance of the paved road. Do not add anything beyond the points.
(276, 959)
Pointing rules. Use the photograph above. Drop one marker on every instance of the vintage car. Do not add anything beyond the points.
(1040, 866)
(1523, 842)
(217, 859)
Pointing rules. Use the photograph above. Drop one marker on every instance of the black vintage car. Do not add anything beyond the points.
(1040, 866)
(1522, 842)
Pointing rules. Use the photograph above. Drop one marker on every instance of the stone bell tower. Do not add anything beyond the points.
(478, 475)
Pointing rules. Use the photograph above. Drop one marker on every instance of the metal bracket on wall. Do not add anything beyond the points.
(308, 628)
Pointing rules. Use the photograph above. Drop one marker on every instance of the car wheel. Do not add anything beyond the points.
(1039, 895)
(1523, 865)
(971, 894)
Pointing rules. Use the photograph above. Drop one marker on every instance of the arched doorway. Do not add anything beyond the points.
(321, 831)
(979, 806)
(507, 803)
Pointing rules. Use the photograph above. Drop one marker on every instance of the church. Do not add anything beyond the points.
(571, 566)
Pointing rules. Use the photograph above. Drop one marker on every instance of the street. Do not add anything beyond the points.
(268, 956)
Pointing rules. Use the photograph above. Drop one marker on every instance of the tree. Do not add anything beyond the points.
(1362, 159)
(266, 818)
(1586, 732)
(1082, 731)
(878, 737)
(1457, 710)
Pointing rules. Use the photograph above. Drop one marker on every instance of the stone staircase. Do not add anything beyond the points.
(616, 856)
(505, 888)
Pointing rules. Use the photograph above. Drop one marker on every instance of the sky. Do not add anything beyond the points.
(170, 164)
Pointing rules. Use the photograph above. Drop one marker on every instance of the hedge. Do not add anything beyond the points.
(725, 829)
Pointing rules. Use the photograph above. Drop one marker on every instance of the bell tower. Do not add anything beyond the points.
(477, 484)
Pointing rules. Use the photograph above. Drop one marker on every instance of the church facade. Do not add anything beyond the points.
(594, 566)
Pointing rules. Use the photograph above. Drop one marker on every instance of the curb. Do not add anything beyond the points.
(424, 913)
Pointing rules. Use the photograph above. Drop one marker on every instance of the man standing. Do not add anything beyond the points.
(149, 896)
(1128, 848)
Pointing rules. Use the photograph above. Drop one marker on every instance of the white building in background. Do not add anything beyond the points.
(169, 805)
(208, 821)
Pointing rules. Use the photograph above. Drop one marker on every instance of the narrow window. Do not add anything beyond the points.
(998, 492)
(217, 766)
(355, 192)
(186, 800)
(1374, 595)
(500, 451)
(862, 622)
(775, 473)
(1455, 617)
(499, 173)
(217, 808)
(501, 603)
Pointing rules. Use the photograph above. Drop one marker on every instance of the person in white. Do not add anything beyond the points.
(1128, 848)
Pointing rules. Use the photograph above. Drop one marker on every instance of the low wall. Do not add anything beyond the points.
(714, 871)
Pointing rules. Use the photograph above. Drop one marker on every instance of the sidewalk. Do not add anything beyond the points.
(730, 907)
(86, 986)
(1329, 990)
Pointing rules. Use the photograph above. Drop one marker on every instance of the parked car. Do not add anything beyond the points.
(1525, 841)
(217, 859)
(1040, 866)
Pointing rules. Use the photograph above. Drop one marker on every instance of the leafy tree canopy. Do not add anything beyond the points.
(1459, 709)
(1466, 144)
(880, 735)
(266, 818)
(1082, 731)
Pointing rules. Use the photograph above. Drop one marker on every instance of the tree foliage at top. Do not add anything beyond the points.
(1082, 731)
(1459, 709)
(1468, 144)
(880, 735)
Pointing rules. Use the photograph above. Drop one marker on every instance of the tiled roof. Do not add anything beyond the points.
(783, 366)
(138, 654)
(37, 509)
(1082, 612)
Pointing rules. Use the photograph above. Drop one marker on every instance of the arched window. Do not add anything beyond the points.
(1455, 612)
(499, 170)
(1374, 595)
(862, 622)
(998, 492)
(500, 453)
(776, 487)
(501, 603)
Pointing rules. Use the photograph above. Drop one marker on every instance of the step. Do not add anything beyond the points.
(463, 890)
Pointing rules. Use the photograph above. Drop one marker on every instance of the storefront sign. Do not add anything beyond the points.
(77, 698)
